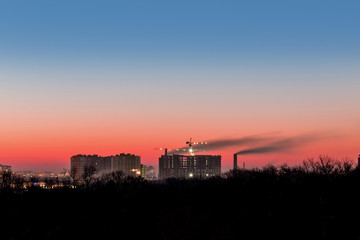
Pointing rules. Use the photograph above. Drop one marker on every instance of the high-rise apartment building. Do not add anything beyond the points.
(5, 168)
(183, 166)
(129, 164)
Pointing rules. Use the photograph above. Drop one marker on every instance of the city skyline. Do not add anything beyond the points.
(87, 77)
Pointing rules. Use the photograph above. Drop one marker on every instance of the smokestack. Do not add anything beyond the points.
(235, 161)
(359, 161)
(165, 152)
(243, 165)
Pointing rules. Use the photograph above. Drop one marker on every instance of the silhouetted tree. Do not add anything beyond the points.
(66, 181)
(49, 182)
(73, 177)
(88, 175)
(327, 165)
(18, 182)
(7, 179)
(345, 166)
(34, 182)
(57, 181)
(317, 200)
(284, 169)
(270, 169)
(113, 177)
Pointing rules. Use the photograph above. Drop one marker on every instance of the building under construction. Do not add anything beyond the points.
(129, 164)
(183, 166)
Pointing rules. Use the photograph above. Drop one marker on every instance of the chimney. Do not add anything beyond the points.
(359, 161)
(235, 161)
(165, 152)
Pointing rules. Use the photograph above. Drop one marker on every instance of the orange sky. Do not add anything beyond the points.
(129, 77)
(47, 142)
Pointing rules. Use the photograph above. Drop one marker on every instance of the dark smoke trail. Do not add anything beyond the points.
(282, 145)
(224, 143)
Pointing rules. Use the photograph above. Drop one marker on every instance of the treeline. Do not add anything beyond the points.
(316, 200)
(325, 166)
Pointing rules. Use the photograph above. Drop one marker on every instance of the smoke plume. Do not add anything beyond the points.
(283, 144)
(258, 144)
(224, 143)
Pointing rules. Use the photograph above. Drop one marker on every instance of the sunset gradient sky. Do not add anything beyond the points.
(106, 77)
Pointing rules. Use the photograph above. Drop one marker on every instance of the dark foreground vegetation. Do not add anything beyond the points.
(318, 200)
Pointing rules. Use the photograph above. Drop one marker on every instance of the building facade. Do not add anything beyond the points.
(150, 173)
(183, 166)
(129, 164)
(4, 168)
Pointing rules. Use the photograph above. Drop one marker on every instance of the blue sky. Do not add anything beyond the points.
(270, 65)
(176, 32)
(177, 39)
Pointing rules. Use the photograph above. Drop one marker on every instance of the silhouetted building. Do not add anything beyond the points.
(4, 168)
(183, 166)
(129, 164)
(235, 161)
(150, 173)
(143, 170)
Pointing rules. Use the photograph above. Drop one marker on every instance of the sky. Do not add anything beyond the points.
(106, 77)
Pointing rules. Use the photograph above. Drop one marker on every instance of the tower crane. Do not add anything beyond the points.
(189, 148)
